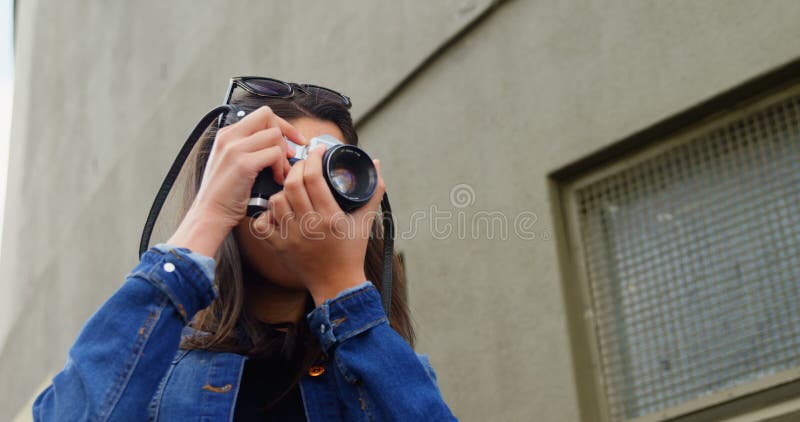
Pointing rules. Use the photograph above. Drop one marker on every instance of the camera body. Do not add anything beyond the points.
(348, 171)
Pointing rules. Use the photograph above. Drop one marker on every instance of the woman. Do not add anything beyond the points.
(279, 325)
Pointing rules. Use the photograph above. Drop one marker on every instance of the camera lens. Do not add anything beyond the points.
(351, 175)
(343, 180)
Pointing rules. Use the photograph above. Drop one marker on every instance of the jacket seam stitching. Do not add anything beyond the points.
(343, 369)
(154, 279)
(351, 295)
(113, 396)
(363, 397)
(232, 410)
(356, 331)
(155, 405)
(192, 264)
(304, 398)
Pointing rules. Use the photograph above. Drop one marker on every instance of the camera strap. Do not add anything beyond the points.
(169, 180)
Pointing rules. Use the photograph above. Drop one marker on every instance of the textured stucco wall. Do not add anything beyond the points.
(107, 92)
(535, 86)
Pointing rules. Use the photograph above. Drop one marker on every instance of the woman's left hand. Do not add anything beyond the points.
(312, 234)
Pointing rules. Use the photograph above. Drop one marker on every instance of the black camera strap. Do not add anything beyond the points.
(180, 159)
(173, 172)
(388, 253)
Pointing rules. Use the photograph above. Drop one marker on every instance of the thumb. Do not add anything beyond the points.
(262, 224)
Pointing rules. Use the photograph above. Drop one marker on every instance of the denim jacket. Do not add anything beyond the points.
(126, 363)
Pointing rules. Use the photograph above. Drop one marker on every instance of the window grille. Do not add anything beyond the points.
(691, 260)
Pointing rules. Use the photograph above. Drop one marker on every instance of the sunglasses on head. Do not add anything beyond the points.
(274, 88)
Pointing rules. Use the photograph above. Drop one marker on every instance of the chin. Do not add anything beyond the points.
(263, 260)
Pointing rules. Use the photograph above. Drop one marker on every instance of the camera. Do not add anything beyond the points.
(348, 171)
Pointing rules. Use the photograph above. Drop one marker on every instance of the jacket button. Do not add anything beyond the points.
(316, 370)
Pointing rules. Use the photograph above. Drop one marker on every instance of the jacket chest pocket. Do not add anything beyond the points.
(199, 385)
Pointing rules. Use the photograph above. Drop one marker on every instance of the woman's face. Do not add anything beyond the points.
(260, 256)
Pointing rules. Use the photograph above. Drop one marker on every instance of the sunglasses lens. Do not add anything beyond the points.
(268, 87)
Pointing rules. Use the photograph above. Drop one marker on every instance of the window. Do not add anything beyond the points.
(688, 257)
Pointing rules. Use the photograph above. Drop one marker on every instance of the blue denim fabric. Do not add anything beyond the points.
(126, 365)
(205, 263)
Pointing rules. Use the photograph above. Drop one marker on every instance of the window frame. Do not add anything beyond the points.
(707, 116)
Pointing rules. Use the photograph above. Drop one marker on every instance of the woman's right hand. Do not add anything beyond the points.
(239, 153)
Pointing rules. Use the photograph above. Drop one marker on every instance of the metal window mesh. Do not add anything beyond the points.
(693, 264)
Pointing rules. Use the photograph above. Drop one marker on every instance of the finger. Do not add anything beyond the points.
(280, 208)
(318, 191)
(279, 171)
(264, 139)
(263, 224)
(261, 140)
(295, 190)
(273, 157)
(264, 118)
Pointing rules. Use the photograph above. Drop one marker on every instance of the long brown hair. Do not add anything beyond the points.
(226, 325)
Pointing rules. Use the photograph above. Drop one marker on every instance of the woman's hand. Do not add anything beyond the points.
(239, 153)
(314, 237)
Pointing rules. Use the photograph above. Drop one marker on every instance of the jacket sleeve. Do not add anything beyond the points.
(354, 332)
(123, 350)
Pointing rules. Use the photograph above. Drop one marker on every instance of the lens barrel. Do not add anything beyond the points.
(350, 174)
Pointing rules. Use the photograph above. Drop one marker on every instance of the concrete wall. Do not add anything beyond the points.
(106, 92)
